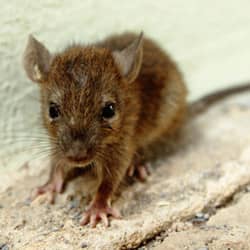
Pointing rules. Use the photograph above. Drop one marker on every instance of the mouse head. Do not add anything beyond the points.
(85, 95)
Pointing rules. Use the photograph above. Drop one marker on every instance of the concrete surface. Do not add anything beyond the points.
(229, 228)
(203, 175)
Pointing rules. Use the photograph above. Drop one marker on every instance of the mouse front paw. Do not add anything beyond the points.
(53, 186)
(51, 189)
(99, 211)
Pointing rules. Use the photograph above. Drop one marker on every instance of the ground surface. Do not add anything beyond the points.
(197, 198)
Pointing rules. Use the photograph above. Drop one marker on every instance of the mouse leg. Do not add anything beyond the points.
(112, 172)
(54, 184)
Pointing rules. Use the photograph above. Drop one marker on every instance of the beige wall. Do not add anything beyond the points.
(209, 39)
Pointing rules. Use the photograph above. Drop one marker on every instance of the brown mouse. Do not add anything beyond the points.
(104, 105)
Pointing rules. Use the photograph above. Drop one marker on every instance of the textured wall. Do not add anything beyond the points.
(209, 39)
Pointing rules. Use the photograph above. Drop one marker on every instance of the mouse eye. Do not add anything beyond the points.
(108, 111)
(53, 111)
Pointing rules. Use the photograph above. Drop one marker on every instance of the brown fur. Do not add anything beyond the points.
(150, 101)
(159, 90)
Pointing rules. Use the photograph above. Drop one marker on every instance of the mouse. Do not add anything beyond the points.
(104, 105)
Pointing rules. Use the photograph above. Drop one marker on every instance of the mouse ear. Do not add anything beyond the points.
(130, 58)
(36, 60)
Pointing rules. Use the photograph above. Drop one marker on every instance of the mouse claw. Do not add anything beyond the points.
(50, 189)
(139, 171)
(143, 172)
(131, 170)
(104, 219)
(95, 214)
(44, 190)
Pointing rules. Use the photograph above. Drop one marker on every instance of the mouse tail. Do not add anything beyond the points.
(202, 104)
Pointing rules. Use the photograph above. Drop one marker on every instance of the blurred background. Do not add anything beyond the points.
(210, 40)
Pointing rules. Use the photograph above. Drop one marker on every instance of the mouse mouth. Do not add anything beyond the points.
(79, 161)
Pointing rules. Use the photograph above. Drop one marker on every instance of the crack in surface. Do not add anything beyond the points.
(197, 220)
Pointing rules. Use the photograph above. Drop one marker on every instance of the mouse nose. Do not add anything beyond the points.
(78, 152)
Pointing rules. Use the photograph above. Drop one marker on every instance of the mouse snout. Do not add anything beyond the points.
(78, 152)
